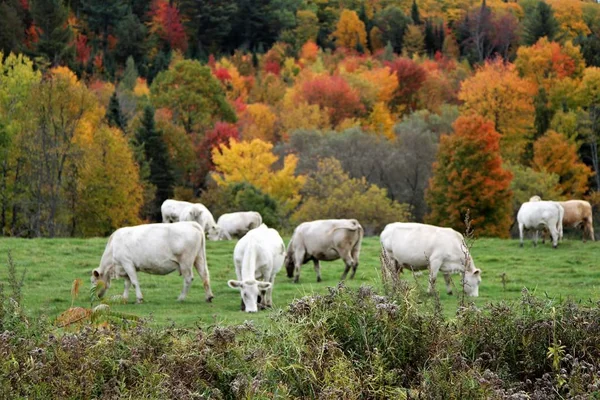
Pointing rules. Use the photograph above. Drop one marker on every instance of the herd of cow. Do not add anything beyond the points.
(178, 244)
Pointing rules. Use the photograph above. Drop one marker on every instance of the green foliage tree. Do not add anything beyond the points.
(468, 175)
(102, 16)
(528, 182)
(55, 37)
(538, 23)
(209, 24)
(392, 23)
(114, 116)
(194, 95)
(414, 13)
(132, 35)
(12, 31)
(329, 192)
(129, 76)
(155, 153)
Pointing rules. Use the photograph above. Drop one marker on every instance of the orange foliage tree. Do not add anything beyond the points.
(554, 153)
(334, 94)
(258, 122)
(468, 175)
(166, 23)
(350, 31)
(496, 92)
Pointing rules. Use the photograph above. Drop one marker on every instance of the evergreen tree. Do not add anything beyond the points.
(11, 28)
(388, 52)
(430, 39)
(102, 16)
(132, 37)
(154, 151)
(56, 36)
(543, 113)
(414, 13)
(114, 116)
(538, 23)
(130, 75)
(590, 49)
(392, 23)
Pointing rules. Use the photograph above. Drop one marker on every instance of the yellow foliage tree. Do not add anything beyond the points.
(110, 192)
(301, 115)
(497, 93)
(569, 15)
(381, 121)
(258, 122)
(252, 162)
(376, 39)
(350, 31)
(414, 41)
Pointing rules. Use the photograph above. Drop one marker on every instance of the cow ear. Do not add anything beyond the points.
(234, 284)
(264, 285)
(477, 271)
(96, 273)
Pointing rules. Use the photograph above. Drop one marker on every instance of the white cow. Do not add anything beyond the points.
(537, 215)
(562, 216)
(176, 210)
(238, 223)
(258, 256)
(157, 249)
(419, 246)
(325, 240)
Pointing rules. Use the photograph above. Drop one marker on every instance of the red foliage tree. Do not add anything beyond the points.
(410, 79)
(219, 134)
(166, 23)
(335, 95)
(468, 174)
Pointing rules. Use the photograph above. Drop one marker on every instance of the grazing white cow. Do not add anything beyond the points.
(176, 210)
(537, 215)
(419, 246)
(560, 225)
(324, 240)
(238, 224)
(157, 249)
(258, 256)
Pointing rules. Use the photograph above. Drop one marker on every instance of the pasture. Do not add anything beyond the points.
(571, 271)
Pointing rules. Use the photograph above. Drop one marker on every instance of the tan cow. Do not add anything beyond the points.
(325, 240)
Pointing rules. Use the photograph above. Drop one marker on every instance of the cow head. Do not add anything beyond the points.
(214, 233)
(250, 290)
(471, 282)
(289, 265)
(101, 281)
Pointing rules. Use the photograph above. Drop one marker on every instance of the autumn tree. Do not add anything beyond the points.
(193, 94)
(154, 152)
(497, 93)
(166, 23)
(109, 190)
(570, 20)
(468, 175)
(410, 77)
(252, 162)
(220, 134)
(381, 121)
(330, 193)
(414, 42)
(335, 95)
(258, 122)
(528, 182)
(307, 27)
(350, 31)
(552, 153)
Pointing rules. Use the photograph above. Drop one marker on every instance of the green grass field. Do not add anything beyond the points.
(571, 271)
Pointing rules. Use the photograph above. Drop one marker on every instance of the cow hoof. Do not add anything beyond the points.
(209, 299)
(450, 293)
(180, 298)
(555, 247)
(139, 301)
(319, 279)
(521, 245)
(297, 279)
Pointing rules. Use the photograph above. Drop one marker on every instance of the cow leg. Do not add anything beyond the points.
(317, 269)
(521, 234)
(355, 255)
(298, 261)
(448, 280)
(543, 236)
(535, 238)
(127, 286)
(202, 269)
(554, 234)
(243, 306)
(590, 227)
(269, 293)
(434, 268)
(188, 277)
(132, 274)
(349, 264)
